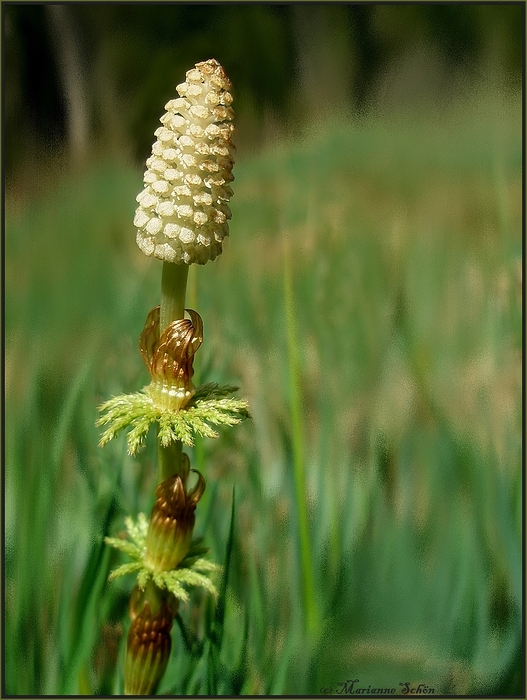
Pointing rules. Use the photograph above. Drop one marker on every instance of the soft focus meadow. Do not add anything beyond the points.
(368, 304)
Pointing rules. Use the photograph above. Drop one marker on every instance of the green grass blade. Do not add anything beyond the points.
(306, 559)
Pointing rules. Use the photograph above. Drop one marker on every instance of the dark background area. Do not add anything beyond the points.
(86, 78)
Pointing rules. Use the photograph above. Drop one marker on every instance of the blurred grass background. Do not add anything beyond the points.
(368, 304)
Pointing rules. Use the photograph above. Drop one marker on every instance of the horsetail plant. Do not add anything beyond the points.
(182, 218)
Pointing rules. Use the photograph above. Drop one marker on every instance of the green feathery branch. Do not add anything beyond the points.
(138, 411)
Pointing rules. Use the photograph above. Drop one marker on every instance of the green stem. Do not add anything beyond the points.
(169, 462)
(173, 290)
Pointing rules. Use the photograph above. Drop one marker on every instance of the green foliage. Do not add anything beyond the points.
(405, 279)
(140, 411)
